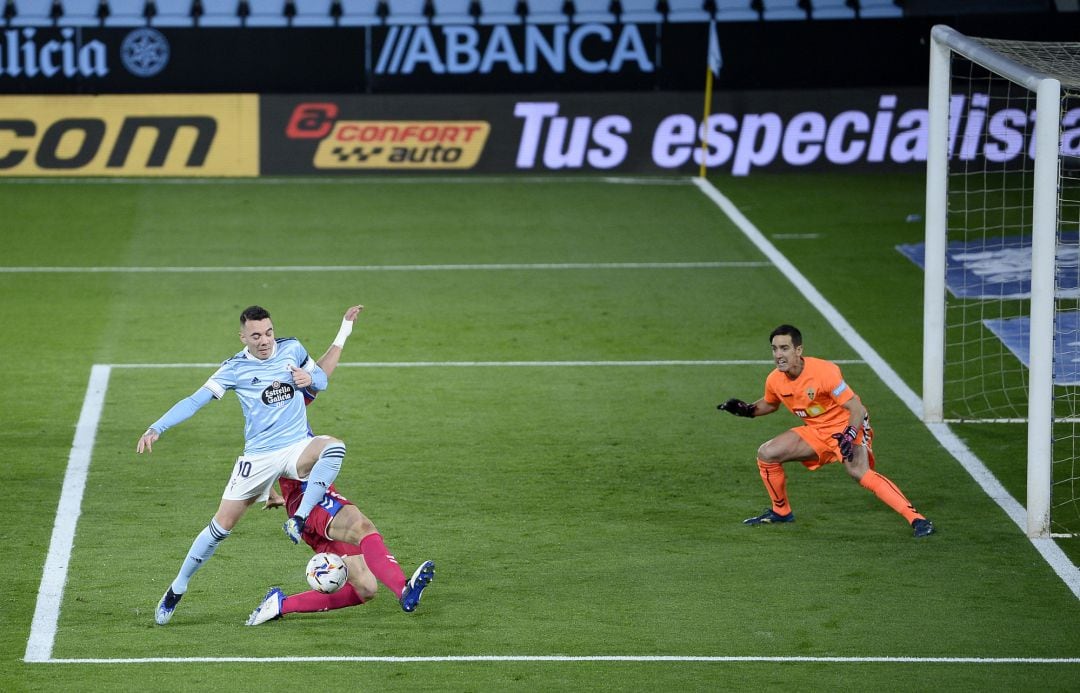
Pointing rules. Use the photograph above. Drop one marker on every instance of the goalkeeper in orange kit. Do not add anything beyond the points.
(837, 430)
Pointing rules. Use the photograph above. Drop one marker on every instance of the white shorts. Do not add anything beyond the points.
(253, 475)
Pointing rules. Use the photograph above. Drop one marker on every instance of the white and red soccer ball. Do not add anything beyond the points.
(327, 572)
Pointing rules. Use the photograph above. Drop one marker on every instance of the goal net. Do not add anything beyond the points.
(1002, 255)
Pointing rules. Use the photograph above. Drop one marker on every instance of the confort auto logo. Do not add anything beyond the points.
(387, 144)
(32, 53)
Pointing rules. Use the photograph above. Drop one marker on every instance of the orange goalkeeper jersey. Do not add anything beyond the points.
(817, 396)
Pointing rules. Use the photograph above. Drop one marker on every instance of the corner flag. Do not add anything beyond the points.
(714, 61)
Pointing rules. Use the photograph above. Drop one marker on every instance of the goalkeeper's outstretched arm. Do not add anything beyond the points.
(748, 409)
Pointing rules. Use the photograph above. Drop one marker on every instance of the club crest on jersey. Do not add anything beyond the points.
(810, 393)
(278, 392)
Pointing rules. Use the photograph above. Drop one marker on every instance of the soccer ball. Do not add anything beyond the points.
(326, 572)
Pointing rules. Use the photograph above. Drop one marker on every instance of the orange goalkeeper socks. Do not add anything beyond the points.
(889, 494)
(772, 473)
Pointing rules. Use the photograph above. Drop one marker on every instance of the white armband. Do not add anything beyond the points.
(215, 389)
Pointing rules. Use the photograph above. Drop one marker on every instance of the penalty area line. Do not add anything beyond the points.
(54, 572)
(583, 658)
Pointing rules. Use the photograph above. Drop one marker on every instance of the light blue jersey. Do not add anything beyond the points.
(274, 412)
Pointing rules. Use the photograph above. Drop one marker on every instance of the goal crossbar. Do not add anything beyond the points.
(978, 52)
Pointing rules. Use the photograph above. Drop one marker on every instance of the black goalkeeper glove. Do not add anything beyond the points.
(846, 441)
(737, 407)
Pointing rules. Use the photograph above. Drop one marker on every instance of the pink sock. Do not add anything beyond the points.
(382, 564)
(307, 602)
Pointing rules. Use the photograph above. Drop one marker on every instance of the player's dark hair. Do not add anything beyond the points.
(790, 331)
(254, 313)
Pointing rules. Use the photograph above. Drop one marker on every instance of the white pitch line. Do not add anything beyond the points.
(503, 364)
(1057, 419)
(586, 658)
(54, 573)
(1051, 552)
(506, 266)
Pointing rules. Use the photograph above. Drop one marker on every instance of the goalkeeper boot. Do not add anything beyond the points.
(921, 527)
(294, 527)
(269, 609)
(410, 596)
(769, 517)
(166, 607)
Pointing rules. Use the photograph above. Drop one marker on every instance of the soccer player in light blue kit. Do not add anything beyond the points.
(268, 376)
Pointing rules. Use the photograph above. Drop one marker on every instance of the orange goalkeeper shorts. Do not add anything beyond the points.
(820, 439)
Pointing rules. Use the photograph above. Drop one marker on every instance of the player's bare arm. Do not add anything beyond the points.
(329, 361)
(764, 408)
(856, 410)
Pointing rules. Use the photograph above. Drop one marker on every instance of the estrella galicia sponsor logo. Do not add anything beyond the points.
(24, 54)
(145, 52)
(277, 393)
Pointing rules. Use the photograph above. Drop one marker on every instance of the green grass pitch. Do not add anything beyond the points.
(558, 453)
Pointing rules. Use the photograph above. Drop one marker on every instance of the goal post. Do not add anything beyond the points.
(1041, 347)
(936, 220)
(985, 207)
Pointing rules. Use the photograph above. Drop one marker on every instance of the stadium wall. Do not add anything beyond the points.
(619, 133)
(471, 59)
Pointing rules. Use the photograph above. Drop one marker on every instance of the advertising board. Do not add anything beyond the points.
(621, 133)
(207, 135)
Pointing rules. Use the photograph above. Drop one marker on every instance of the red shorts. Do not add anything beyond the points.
(317, 527)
